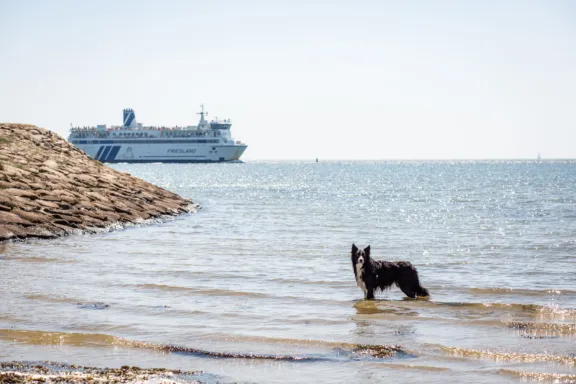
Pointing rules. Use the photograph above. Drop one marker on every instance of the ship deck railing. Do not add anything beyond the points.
(143, 128)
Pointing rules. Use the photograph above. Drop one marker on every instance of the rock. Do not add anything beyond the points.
(12, 218)
(95, 196)
(59, 193)
(53, 178)
(21, 193)
(130, 218)
(32, 217)
(150, 209)
(11, 170)
(107, 217)
(36, 231)
(16, 231)
(5, 233)
(14, 184)
(50, 188)
(86, 179)
(68, 218)
(93, 222)
(36, 186)
(122, 208)
(51, 228)
(64, 228)
(59, 198)
(103, 207)
(48, 204)
(9, 201)
(29, 205)
(50, 163)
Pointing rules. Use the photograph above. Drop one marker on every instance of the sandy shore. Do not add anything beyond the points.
(50, 372)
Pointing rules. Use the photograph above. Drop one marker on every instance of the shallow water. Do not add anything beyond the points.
(258, 286)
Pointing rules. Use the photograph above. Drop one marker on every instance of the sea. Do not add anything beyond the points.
(258, 286)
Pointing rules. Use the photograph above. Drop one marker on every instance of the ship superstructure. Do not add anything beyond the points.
(132, 142)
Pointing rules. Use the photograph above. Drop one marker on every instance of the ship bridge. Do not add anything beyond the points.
(217, 124)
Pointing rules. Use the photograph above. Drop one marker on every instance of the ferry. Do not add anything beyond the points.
(132, 142)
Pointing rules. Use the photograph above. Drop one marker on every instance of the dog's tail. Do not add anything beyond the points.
(408, 280)
(421, 291)
(418, 289)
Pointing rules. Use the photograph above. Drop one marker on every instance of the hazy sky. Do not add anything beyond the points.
(303, 79)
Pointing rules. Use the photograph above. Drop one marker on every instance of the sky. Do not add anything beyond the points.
(304, 79)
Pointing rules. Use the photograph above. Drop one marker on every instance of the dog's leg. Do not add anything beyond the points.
(406, 287)
(369, 294)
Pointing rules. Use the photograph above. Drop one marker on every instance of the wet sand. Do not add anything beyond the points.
(50, 372)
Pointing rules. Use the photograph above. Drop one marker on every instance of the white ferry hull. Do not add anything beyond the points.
(207, 142)
(111, 152)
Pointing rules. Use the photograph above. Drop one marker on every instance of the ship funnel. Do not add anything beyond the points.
(129, 118)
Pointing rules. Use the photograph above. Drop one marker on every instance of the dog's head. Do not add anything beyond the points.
(360, 256)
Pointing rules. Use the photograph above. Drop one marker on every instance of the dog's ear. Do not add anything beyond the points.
(367, 250)
(354, 248)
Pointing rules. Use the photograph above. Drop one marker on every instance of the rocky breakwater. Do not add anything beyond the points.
(50, 188)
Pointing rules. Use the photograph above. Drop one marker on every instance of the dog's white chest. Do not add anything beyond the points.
(359, 278)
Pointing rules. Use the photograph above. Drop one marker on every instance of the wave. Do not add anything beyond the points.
(323, 283)
(51, 299)
(337, 345)
(38, 259)
(161, 287)
(10, 318)
(209, 276)
(67, 300)
(425, 368)
(60, 338)
(226, 292)
(520, 292)
(548, 328)
(555, 311)
(102, 340)
(246, 317)
(201, 291)
(93, 305)
(461, 310)
(560, 378)
(509, 356)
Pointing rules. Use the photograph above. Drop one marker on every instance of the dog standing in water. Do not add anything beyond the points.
(372, 275)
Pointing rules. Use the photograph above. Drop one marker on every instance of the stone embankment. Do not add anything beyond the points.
(50, 188)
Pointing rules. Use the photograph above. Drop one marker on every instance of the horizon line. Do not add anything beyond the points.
(313, 159)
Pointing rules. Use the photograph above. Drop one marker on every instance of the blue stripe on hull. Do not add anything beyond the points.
(181, 161)
(113, 153)
(105, 153)
(99, 152)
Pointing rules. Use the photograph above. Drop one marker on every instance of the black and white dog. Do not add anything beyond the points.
(372, 275)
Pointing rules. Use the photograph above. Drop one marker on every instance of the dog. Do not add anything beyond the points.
(372, 275)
